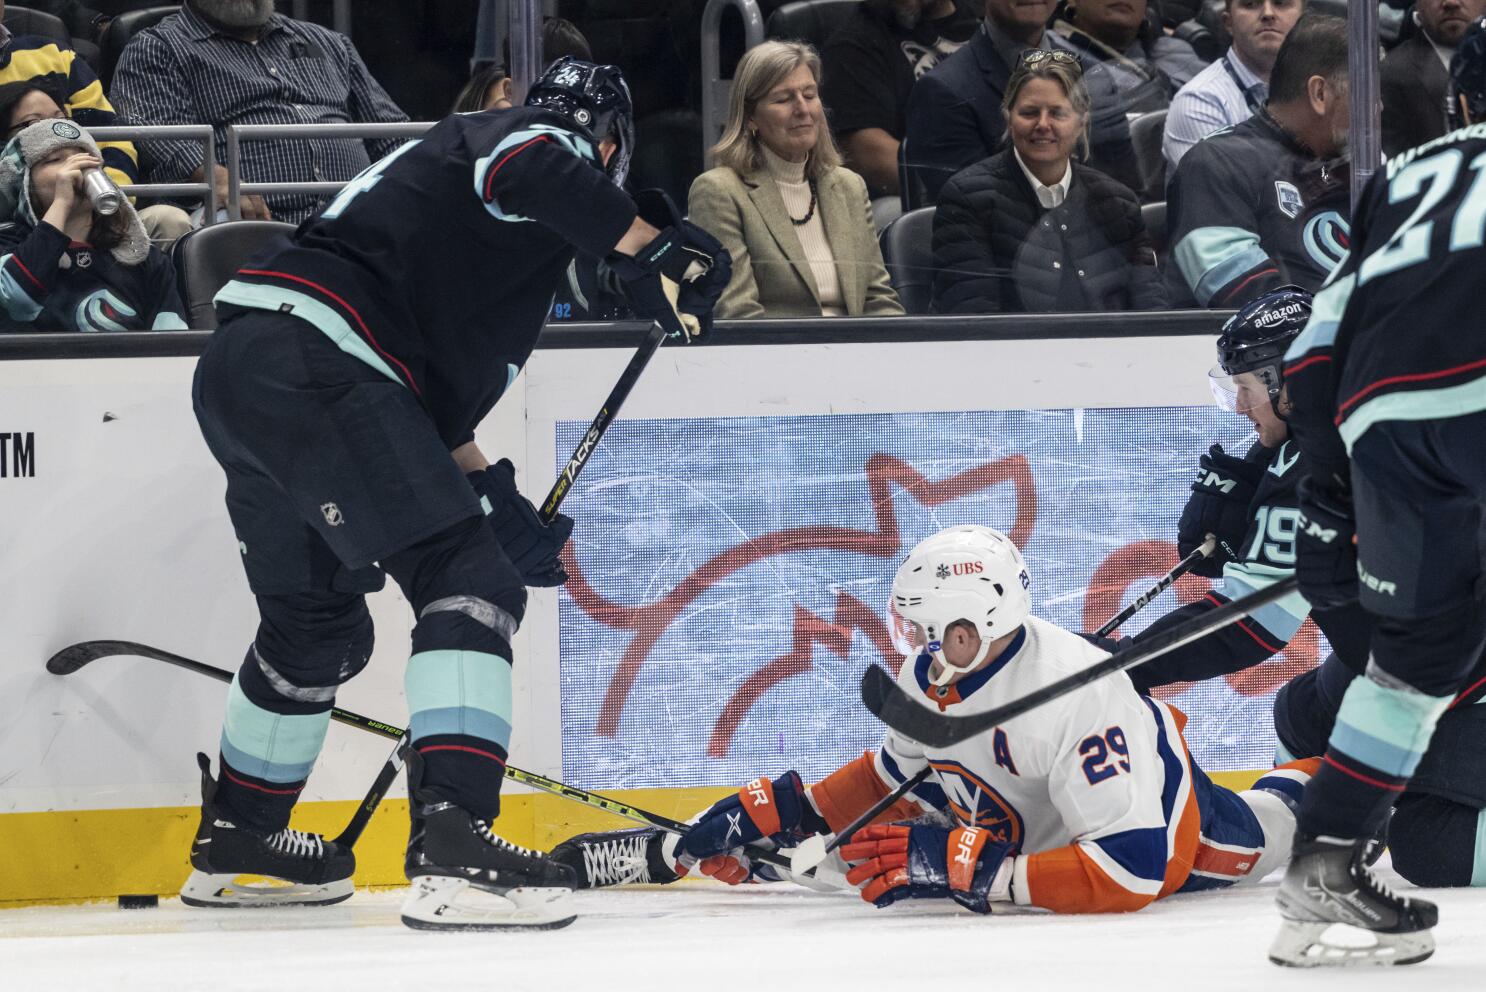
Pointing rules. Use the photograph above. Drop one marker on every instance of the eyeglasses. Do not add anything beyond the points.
(1034, 57)
(20, 126)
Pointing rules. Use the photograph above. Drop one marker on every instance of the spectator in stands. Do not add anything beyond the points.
(489, 88)
(1416, 74)
(1232, 88)
(73, 84)
(30, 100)
(1264, 203)
(1148, 66)
(796, 222)
(1029, 229)
(225, 62)
(954, 114)
(62, 266)
(870, 64)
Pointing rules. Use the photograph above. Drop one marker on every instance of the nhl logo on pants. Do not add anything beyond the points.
(333, 515)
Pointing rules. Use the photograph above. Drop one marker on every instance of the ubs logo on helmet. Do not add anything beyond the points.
(1327, 237)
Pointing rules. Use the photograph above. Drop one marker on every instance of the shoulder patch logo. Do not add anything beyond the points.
(1288, 198)
(332, 514)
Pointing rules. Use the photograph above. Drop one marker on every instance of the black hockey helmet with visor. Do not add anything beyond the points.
(1252, 346)
(1468, 76)
(595, 100)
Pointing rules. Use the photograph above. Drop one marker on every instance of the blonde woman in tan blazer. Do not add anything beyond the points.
(797, 224)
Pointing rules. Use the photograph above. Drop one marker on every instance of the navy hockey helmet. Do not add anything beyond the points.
(596, 100)
(1468, 77)
(1252, 346)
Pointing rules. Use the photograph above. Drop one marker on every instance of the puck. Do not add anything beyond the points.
(139, 902)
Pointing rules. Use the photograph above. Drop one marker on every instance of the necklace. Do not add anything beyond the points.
(809, 213)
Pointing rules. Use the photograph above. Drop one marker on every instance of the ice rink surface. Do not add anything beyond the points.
(701, 936)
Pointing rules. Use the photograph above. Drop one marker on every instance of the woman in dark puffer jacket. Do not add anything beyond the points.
(1029, 229)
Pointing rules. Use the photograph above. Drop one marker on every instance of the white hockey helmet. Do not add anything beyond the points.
(968, 573)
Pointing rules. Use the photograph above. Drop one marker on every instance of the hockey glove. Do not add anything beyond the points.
(532, 546)
(1219, 504)
(1326, 545)
(899, 862)
(776, 810)
(678, 278)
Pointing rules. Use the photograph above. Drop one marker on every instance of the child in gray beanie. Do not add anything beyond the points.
(63, 267)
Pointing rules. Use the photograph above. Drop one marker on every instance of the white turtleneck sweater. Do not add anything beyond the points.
(790, 177)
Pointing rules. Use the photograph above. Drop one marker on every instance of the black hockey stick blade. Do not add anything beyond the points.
(900, 711)
(75, 656)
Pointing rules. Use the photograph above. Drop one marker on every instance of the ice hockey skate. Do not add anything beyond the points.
(467, 877)
(637, 856)
(237, 868)
(1328, 886)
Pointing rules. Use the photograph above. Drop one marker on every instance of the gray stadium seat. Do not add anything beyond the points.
(1146, 132)
(119, 32)
(908, 251)
(810, 21)
(208, 257)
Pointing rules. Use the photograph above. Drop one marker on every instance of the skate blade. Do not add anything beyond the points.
(227, 891)
(440, 902)
(1338, 945)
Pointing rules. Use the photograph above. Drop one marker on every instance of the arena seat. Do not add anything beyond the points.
(910, 186)
(206, 259)
(1154, 217)
(810, 21)
(119, 32)
(24, 20)
(1146, 132)
(908, 252)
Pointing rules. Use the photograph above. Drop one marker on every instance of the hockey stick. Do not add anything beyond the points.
(72, 658)
(808, 855)
(897, 709)
(1181, 568)
(601, 422)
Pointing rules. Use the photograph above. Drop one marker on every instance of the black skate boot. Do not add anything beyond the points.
(296, 868)
(618, 857)
(467, 877)
(1327, 884)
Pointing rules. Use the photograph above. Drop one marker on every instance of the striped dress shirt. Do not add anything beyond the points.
(182, 71)
(1225, 93)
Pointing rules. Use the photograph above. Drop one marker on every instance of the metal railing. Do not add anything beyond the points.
(238, 133)
(178, 132)
(715, 89)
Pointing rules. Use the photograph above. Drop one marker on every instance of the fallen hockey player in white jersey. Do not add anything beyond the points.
(1090, 803)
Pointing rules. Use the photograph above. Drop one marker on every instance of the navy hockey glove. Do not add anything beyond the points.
(776, 810)
(899, 862)
(532, 546)
(1325, 545)
(1222, 495)
(678, 278)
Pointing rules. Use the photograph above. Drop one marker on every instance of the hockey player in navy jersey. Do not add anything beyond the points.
(341, 394)
(1388, 384)
(1248, 503)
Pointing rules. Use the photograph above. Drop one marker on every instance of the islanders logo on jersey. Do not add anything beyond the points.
(975, 803)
